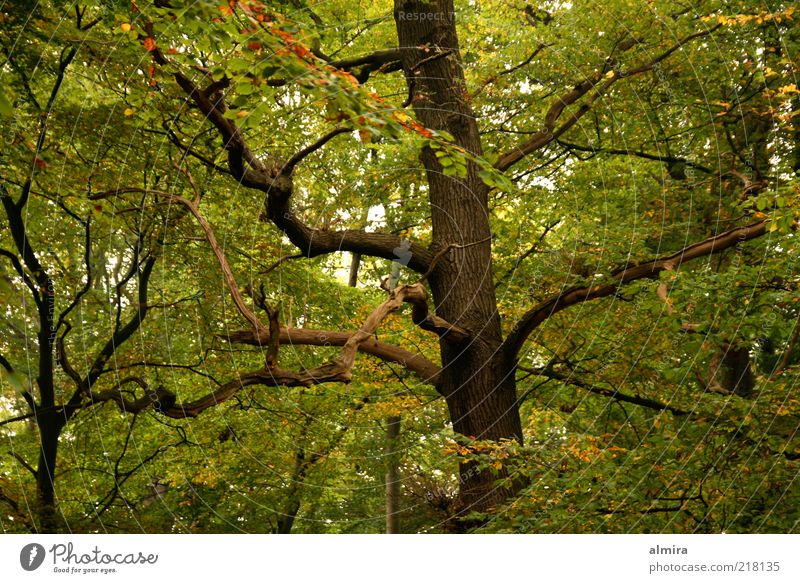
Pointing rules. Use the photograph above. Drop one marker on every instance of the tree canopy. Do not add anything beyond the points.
(496, 266)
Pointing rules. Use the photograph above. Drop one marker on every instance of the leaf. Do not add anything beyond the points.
(5, 105)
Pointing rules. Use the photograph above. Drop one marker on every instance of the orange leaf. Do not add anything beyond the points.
(149, 44)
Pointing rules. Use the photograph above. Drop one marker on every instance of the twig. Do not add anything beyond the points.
(412, 82)
(438, 257)
(311, 148)
(280, 261)
(25, 464)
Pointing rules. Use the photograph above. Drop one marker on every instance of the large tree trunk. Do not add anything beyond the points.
(479, 386)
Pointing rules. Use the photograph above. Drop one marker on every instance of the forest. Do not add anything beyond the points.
(430, 266)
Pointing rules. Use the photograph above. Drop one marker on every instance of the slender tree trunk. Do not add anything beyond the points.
(392, 476)
(50, 426)
(355, 263)
(476, 378)
(50, 423)
(289, 514)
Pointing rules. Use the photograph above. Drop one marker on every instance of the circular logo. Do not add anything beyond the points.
(31, 556)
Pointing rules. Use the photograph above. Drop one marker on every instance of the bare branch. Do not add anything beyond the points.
(416, 363)
(230, 280)
(310, 149)
(639, 154)
(611, 394)
(338, 370)
(274, 178)
(20, 271)
(684, 41)
(66, 57)
(24, 464)
(575, 295)
(279, 262)
(532, 249)
(188, 150)
(549, 132)
(444, 251)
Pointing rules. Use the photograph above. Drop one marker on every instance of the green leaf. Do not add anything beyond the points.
(5, 105)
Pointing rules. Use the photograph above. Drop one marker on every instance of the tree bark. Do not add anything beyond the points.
(355, 263)
(50, 425)
(477, 381)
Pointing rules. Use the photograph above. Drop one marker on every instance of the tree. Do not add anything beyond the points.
(591, 198)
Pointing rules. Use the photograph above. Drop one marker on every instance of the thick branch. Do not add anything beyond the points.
(160, 399)
(575, 295)
(20, 271)
(315, 242)
(5, 364)
(20, 237)
(338, 370)
(361, 67)
(275, 180)
(425, 319)
(414, 294)
(230, 280)
(416, 363)
(376, 59)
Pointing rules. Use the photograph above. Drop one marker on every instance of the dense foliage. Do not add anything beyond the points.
(205, 201)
